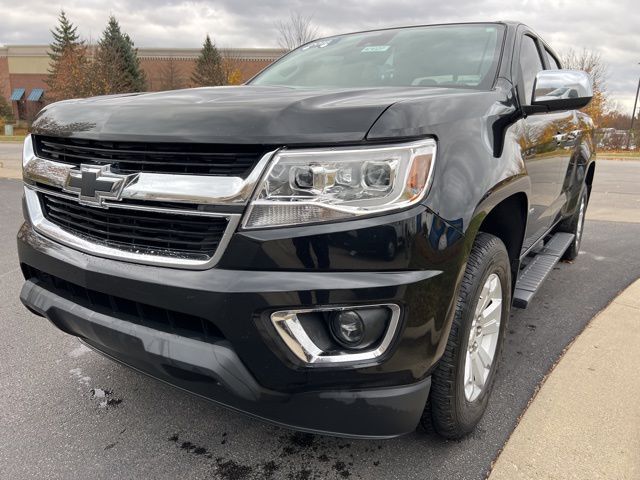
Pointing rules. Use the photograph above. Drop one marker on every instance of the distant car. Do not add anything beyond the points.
(328, 246)
(563, 92)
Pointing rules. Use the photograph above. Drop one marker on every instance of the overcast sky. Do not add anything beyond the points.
(609, 27)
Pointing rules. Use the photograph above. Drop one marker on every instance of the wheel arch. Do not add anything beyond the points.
(504, 215)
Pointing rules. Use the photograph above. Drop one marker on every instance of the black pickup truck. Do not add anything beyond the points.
(334, 246)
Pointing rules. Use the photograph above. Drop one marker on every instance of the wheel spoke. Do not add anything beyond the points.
(491, 327)
(485, 357)
(478, 370)
(469, 385)
(484, 300)
(491, 314)
(493, 284)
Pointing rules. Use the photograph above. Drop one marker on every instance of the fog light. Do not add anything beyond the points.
(348, 328)
(359, 328)
(331, 336)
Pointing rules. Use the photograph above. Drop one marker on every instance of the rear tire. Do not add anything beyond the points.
(575, 224)
(463, 379)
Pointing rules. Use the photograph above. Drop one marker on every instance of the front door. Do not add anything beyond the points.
(544, 153)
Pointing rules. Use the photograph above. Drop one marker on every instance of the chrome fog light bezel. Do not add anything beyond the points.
(292, 333)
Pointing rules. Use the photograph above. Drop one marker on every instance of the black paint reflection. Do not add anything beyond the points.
(306, 248)
(381, 242)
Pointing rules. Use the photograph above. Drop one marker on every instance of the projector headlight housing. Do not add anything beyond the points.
(304, 186)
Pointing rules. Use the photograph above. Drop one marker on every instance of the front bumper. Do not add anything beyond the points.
(246, 369)
(214, 371)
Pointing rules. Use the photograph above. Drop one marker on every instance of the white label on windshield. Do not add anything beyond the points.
(376, 48)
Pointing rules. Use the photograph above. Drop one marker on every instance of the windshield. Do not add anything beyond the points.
(464, 56)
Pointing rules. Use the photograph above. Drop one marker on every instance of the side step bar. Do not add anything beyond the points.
(534, 274)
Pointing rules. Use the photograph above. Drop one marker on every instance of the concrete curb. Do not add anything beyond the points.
(585, 420)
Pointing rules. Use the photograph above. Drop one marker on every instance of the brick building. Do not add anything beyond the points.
(23, 70)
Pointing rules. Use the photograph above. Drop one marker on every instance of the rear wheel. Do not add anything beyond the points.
(464, 377)
(575, 224)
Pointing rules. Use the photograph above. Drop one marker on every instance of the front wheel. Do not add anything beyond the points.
(464, 377)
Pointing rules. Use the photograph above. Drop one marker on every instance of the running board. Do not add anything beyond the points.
(535, 273)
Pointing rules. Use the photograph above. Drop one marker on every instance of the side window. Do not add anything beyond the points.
(530, 65)
(553, 63)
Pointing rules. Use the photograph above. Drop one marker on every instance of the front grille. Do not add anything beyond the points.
(134, 157)
(154, 233)
(139, 313)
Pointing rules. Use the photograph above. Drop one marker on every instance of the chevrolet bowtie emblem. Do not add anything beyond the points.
(96, 183)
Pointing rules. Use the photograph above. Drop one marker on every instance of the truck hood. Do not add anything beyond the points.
(240, 115)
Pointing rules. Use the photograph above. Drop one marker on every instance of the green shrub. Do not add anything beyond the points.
(6, 112)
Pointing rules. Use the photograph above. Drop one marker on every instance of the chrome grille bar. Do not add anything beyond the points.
(178, 188)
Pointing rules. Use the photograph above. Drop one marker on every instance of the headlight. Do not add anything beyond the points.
(316, 185)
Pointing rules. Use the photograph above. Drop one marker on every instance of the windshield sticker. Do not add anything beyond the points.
(320, 43)
(375, 48)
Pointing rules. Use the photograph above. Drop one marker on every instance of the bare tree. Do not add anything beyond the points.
(295, 31)
(592, 63)
(231, 66)
(171, 77)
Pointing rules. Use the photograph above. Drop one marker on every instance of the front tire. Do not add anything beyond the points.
(463, 379)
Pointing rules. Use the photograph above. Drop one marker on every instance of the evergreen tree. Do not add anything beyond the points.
(65, 36)
(209, 70)
(116, 62)
(68, 66)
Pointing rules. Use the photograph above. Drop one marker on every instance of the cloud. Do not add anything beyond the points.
(606, 26)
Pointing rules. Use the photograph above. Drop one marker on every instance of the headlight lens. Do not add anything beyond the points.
(304, 186)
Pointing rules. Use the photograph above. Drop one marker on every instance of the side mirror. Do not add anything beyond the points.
(561, 90)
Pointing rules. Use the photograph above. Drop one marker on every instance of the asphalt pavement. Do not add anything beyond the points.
(67, 412)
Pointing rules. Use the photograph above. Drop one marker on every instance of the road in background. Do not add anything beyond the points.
(10, 160)
(50, 423)
(616, 194)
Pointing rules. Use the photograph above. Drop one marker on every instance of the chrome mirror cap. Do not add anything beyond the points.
(562, 89)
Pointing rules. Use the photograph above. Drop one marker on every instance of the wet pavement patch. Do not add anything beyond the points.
(110, 402)
(231, 470)
(302, 474)
(189, 446)
(295, 456)
(270, 468)
(195, 449)
(341, 468)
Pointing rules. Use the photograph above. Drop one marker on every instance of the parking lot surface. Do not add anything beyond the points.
(66, 411)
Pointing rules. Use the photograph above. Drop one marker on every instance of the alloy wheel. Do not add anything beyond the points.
(483, 338)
